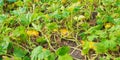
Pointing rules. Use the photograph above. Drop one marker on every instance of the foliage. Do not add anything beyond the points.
(39, 29)
(63, 53)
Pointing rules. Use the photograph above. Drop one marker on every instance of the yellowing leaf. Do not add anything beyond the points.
(63, 1)
(108, 25)
(64, 31)
(32, 33)
(47, 16)
(82, 42)
(91, 44)
(55, 30)
(36, 0)
(44, 49)
(71, 9)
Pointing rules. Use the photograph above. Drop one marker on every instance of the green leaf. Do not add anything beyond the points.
(18, 12)
(35, 16)
(11, 0)
(39, 53)
(19, 3)
(117, 58)
(16, 58)
(117, 21)
(51, 57)
(18, 52)
(44, 54)
(2, 18)
(57, 15)
(35, 52)
(74, 1)
(1, 2)
(93, 29)
(83, 35)
(101, 33)
(110, 44)
(65, 14)
(63, 50)
(101, 58)
(100, 22)
(37, 27)
(110, 19)
(4, 45)
(77, 8)
(44, 1)
(101, 48)
(92, 37)
(25, 19)
(41, 40)
(86, 48)
(52, 26)
(26, 58)
(65, 57)
(18, 31)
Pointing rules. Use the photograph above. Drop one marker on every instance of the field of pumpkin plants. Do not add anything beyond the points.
(59, 29)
